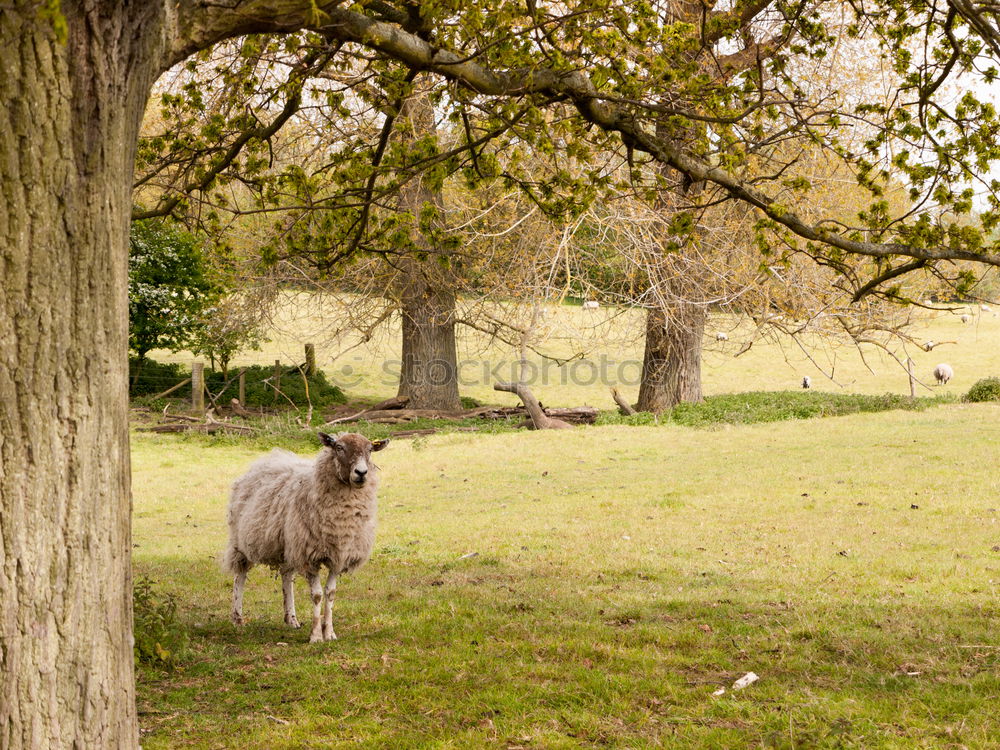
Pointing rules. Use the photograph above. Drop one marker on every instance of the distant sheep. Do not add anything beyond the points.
(298, 515)
(965, 318)
(806, 382)
(720, 336)
(984, 308)
(943, 373)
(591, 304)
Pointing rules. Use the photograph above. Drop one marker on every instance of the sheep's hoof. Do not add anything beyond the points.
(293, 621)
(238, 620)
(316, 638)
(329, 635)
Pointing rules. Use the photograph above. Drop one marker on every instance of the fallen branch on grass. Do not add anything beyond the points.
(539, 418)
(210, 424)
(390, 404)
(623, 406)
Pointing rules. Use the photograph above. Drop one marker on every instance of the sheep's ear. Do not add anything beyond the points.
(328, 440)
(380, 444)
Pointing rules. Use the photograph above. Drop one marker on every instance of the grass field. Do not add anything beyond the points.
(622, 575)
(610, 341)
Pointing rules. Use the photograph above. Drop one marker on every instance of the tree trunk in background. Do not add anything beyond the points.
(68, 127)
(671, 364)
(429, 375)
(425, 291)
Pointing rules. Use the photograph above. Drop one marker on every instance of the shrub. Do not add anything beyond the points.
(156, 377)
(987, 389)
(153, 377)
(160, 639)
(168, 286)
(259, 393)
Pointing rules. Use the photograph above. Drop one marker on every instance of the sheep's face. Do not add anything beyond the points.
(352, 454)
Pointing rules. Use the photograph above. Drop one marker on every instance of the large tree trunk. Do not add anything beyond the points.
(671, 365)
(74, 78)
(429, 374)
(425, 290)
(68, 128)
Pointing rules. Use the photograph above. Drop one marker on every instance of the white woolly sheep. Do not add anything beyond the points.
(591, 304)
(720, 336)
(965, 318)
(984, 308)
(943, 373)
(298, 516)
(806, 381)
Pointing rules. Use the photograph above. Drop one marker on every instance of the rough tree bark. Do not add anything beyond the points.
(425, 290)
(74, 78)
(671, 364)
(67, 137)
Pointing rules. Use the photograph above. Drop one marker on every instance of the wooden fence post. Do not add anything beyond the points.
(243, 388)
(310, 360)
(198, 387)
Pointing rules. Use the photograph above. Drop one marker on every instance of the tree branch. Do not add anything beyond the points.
(577, 87)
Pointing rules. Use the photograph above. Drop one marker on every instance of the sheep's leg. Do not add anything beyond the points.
(316, 589)
(239, 582)
(288, 594)
(331, 587)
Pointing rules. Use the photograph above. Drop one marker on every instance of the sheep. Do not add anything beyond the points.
(943, 373)
(929, 344)
(984, 308)
(720, 336)
(591, 304)
(965, 318)
(298, 515)
(806, 381)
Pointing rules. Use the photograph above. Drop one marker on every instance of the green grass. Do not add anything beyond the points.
(622, 575)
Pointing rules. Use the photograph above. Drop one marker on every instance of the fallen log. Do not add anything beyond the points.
(574, 415)
(238, 408)
(396, 402)
(210, 428)
(372, 415)
(538, 417)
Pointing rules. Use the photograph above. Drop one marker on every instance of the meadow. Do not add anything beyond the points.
(609, 344)
(599, 588)
(618, 577)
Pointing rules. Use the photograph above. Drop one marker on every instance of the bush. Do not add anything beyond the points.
(987, 389)
(168, 286)
(160, 639)
(156, 377)
(258, 393)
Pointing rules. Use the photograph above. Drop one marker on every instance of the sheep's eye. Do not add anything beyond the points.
(340, 449)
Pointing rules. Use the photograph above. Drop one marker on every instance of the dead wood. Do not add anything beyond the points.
(414, 433)
(238, 408)
(170, 390)
(623, 406)
(539, 418)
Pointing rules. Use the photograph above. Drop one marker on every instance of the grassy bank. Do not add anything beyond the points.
(620, 577)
